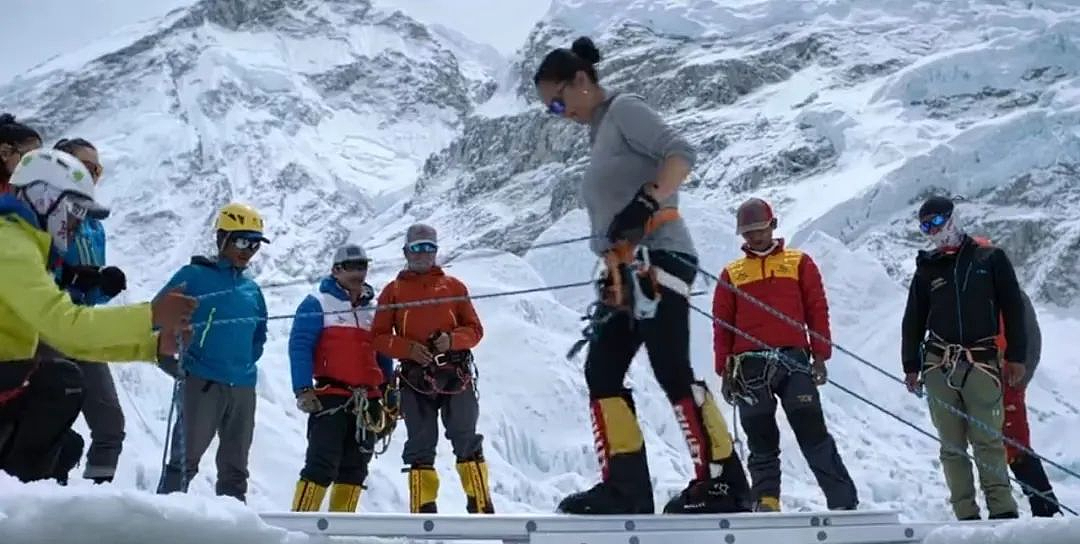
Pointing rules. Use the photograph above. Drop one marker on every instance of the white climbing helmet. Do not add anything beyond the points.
(59, 189)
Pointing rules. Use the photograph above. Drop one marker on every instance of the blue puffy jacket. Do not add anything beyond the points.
(308, 328)
(222, 350)
(86, 249)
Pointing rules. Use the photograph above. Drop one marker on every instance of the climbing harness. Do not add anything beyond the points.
(958, 360)
(372, 416)
(628, 282)
(750, 389)
(431, 379)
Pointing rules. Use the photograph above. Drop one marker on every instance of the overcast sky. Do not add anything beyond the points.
(32, 31)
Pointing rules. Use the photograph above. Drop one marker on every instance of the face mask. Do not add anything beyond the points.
(60, 214)
(949, 235)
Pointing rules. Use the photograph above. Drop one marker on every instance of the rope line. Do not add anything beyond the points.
(788, 363)
(995, 432)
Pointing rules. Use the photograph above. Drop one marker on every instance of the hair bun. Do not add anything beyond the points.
(586, 49)
(6, 118)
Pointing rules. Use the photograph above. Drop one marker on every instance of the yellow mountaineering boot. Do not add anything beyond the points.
(308, 497)
(423, 489)
(767, 504)
(474, 480)
(344, 497)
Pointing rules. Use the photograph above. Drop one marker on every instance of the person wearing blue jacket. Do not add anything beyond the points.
(218, 364)
(341, 382)
(84, 275)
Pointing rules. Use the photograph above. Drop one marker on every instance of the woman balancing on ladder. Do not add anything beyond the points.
(630, 190)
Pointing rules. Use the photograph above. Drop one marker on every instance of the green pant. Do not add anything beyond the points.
(979, 396)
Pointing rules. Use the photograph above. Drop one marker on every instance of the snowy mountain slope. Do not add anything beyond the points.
(318, 113)
(794, 101)
(321, 113)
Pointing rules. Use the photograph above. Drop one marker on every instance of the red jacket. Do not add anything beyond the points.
(786, 280)
(395, 329)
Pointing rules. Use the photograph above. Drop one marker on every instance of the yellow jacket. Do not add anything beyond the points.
(32, 307)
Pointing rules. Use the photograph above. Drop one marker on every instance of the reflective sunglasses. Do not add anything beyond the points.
(247, 243)
(935, 222)
(353, 265)
(422, 247)
(557, 106)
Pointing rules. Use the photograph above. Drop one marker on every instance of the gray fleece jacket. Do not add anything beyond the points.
(629, 143)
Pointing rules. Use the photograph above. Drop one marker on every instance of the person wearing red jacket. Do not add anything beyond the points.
(434, 343)
(341, 382)
(754, 378)
(1027, 469)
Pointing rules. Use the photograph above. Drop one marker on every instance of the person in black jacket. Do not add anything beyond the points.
(961, 293)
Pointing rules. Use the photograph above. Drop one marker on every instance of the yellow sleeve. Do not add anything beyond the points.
(120, 333)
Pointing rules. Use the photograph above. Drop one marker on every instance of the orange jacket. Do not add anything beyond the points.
(395, 329)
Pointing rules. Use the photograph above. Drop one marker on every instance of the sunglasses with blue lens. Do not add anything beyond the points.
(556, 106)
(935, 222)
(422, 247)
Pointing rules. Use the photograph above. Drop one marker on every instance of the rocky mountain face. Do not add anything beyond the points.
(317, 113)
(844, 115)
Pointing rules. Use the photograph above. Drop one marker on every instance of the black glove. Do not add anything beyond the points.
(113, 281)
(629, 224)
(83, 278)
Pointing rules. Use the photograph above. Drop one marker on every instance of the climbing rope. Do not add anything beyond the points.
(401, 305)
(995, 432)
(789, 362)
(454, 257)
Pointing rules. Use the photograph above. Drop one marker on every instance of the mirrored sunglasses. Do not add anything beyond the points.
(247, 243)
(422, 247)
(935, 222)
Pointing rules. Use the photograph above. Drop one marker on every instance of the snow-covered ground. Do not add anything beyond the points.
(352, 172)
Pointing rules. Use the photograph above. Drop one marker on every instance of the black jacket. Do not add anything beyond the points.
(961, 297)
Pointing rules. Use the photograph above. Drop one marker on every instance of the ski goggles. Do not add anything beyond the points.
(422, 246)
(353, 265)
(934, 223)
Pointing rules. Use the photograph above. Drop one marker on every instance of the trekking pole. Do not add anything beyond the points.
(181, 423)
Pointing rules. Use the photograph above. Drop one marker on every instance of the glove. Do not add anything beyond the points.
(441, 342)
(629, 224)
(818, 372)
(725, 389)
(112, 281)
(420, 353)
(911, 380)
(307, 401)
(391, 397)
(83, 278)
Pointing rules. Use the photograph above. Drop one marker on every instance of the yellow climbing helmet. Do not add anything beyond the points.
(236, 217)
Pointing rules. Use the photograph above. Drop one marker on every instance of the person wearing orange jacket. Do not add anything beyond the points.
(433, 342)
(754, 377)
